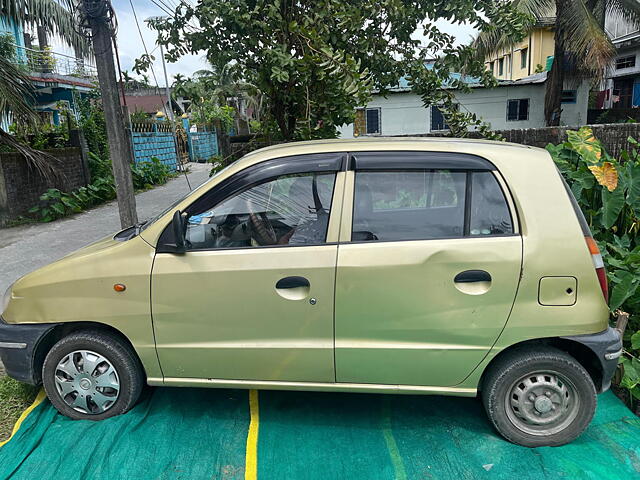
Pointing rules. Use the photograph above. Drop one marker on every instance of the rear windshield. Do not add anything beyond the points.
(586, 231)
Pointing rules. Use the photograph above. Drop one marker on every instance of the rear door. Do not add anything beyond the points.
(428, 268)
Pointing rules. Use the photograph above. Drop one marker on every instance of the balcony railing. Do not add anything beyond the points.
(46, 61)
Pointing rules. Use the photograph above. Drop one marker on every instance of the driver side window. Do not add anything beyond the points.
(286, 210)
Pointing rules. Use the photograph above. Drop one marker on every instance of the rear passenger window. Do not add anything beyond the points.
(422, 205)
(408, 205)
(489, 211)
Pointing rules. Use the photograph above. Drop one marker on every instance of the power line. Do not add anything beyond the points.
(155, 79)
(171, 13)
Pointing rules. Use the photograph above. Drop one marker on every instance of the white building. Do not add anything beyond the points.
(511, 105)
(622, 85)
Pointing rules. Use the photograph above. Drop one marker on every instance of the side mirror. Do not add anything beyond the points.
(179, 230)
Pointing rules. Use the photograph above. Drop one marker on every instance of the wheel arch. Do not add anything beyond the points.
(62, 330)
(580, 352)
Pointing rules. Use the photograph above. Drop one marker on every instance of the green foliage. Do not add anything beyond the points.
(14, 398)
(147, 174)
(608, 192)
(56, 204)
(208, 112)
(7, 50)
(316, 62)
(92, 123)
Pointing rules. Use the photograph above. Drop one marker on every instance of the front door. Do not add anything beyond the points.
(252, 298)
(426, 281)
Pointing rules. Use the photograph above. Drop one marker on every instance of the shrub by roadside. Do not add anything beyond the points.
(55, 204)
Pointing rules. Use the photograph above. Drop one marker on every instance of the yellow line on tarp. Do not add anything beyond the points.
(39, 399)
(251, 459)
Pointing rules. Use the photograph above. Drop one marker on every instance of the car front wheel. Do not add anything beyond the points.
(92, 376)
(539, 397)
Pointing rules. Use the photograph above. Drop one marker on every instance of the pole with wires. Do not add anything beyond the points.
(98, 19)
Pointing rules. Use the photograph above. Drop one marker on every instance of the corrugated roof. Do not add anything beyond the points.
(145, 103)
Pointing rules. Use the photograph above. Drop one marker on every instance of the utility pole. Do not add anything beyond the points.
(166, 82)
(97, 14)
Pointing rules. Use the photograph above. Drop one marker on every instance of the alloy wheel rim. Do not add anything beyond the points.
(542, 403)
(87, 382)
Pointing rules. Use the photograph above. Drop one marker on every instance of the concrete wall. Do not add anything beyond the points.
(21, 187)
(202, 146)
(404, 114)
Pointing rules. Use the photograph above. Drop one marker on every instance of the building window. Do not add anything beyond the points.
(367, 122)
(501, 66)
(438, 122)
(523, 57)
(491, 67)
(625, 62)
(508, 64)
(373, 121)
(518, 109)
(569, 96)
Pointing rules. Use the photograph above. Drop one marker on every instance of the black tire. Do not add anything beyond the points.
(513, 406)
(129, 373)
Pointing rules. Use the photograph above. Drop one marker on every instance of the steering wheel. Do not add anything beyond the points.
(261, 226)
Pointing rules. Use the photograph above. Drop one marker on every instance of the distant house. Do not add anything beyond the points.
(513, 104)
(531, 55)
(59, 80)
(621, 88)
(149, 101)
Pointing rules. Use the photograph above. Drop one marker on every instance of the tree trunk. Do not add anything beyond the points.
(555, 78)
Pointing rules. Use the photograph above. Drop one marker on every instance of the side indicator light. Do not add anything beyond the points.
(119, 287)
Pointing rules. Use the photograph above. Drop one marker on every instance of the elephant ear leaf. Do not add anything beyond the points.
(585, 144)
(606, 175)
(612, 204)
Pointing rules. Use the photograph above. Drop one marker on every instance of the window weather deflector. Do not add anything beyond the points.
(412, 160)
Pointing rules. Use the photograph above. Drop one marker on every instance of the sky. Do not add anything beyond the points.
(130, 45)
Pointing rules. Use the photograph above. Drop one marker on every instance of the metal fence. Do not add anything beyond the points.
(47, 61)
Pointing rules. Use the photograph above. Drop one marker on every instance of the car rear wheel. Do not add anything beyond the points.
(92, 376)
(539, 397)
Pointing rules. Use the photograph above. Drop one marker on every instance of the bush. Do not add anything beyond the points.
(55, 203)
(147, 174)
(608, 192)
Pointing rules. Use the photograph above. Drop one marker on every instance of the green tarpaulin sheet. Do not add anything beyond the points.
(203, 434)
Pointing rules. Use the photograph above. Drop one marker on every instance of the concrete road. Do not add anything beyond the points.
(29, 247)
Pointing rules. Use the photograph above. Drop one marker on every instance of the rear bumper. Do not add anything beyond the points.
(18, 346)
(607, 346)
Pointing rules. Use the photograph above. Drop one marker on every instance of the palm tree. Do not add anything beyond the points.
(16, 91)
(582, 47)
(16, 94)
(49, 16)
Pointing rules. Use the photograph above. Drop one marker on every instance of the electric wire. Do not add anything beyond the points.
(157, 87)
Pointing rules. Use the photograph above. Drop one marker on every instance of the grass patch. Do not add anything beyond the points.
(15, 397)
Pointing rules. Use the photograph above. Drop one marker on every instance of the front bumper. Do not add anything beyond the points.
(607, 346)
(18, 347)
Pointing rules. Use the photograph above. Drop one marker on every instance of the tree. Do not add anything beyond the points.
(582, 48)
(50, 17)
(316, 62)
(16, 94)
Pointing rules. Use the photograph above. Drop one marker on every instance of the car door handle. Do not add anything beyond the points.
(472, 276)
(292, 282)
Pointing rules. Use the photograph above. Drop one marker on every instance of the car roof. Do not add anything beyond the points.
(448, 144)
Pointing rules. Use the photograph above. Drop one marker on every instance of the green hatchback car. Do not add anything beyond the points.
(416, 266)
